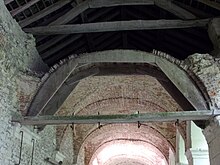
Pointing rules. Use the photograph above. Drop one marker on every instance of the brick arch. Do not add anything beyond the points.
(131, 105)
(112, 132)
(132, 96)
(124, 95)
(127, 89)
(119, 158)
(142, 106)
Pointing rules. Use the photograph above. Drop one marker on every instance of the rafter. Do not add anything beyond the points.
(129, 69)
(176, 44)
(8, 1)
(116, 26)
(99, 14)
(80, 8)
(101, 38)
(177, 96)
(118, 118)
(214, 35)
(179, 79)
(53, 58)
(107, 3)
(43, 13)
(141, 41)
(174, 9)
(124, 34)
(60, 46)
(174, 49)
(58, 38)
(96, 4)
(182, 37)
(108, 43)
(212, 4)
(149, 12)
(193, 10)
(112, 14)
(67, 17)
(50, 42)
(138, 46)
(88, 37)
(24, 7)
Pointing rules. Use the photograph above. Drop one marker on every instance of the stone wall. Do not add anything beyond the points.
(10, 105)
(207, 69)
(212, 135)
(66, 147)
(17, 49)
(44, 146)
(19, 61)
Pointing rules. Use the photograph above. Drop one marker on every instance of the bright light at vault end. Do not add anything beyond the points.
(131, 150)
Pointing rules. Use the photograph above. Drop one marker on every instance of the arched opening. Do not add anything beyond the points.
(117, 136)
(128, 152)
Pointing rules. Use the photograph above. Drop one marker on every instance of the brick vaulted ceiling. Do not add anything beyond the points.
(108, 95)
(117, 94)
(179, 43)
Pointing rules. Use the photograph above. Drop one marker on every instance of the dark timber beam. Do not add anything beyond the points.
(50, 42)
(184, 39)
(70, 15)
(113, 40)
(54, 58)
(181, 80)
(103, 37)
(99, 14)
(54, 91)
(118, 56)
(116, 26)
(107, 3)
(142, 41)
(60, 46)
(178, 77)
(197, 12)
(80, 8)
(214, 35)
(60, 90)
(8, 1)
(174, 9)
(124, 34)
(126, 69)
(117, 118)
(89, 39)
(213, 4)
(43, 12)
(177, 96)
(24, 7)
